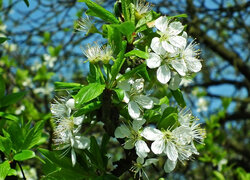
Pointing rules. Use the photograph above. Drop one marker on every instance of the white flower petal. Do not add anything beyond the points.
(153, 61)
(161, 23)
(141, 148)
(175, 28)
(169, 165)
(70, 103)
(78, 120)
(151, 134)
(180, 66)
(157, 46)
(144, 101)
(129, 144)
(158, 146)
(133, 110)
(168, 47)
(178, 41)
(171, 151)
(175, 82)
(184, 35)
(73, 157)
(81, 142)
(163, 74)
(193, 64)
(122, 132)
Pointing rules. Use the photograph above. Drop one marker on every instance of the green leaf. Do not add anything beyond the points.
(179, 16)
(141, 69)
(169, 122)
(3, 39)
(164, 100)
(125, 10)
(96, 152)
(33, 136)
(2, 87)
(120, 94)
(138, 53)
(5, 144)
(88, 108)
(93, 75)
(64, 166)
(100, 11)
(27, 3)
(4, 169)
(126, 28)
(24, 155)
(9, 116)
(11, 99)
(16, 135)
(88, 93)
(218, 175)
(115, 69)
(67, 86)
(114, 38)
(179, 97)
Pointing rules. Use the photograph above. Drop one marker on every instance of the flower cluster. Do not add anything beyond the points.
(66, 132)
(175, 143)
(172, 55)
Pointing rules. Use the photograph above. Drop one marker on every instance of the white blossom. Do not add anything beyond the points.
(133, 137)
(142, 6)
(49, 60)
(98, 53)
(134, 98)
(140, 164)
(84, 25)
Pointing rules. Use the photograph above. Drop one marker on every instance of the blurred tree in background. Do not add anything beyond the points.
(43, 47)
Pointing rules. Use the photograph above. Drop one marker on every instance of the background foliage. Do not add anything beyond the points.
(43, 48)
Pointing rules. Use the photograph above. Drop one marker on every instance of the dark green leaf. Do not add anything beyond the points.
(138, 53)
(24, 155)
(120, 94)
(88, 93)
(88, 108)
(27, 3)
(179, 97)
(4, 169)
(3, 39)
(11, 99)
(2, 87)
(171, 121)
(100, 11)
(95, 150)
(115, 69)
(67, 86)
(93, 75)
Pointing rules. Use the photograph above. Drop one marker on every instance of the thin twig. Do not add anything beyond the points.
(21, 169)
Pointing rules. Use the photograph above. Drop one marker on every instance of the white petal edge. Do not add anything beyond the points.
(144, 101)
(158, 146)
(169, 165)
(171, 151)
(151, 134)
(141, 148)
(180, 66)
(161, 23)
(156, 45)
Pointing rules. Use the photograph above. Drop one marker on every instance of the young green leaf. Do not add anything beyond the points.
(114, 38)
(118, 62)
(179, 98)
(24, 155)
(5, 145)
(67, 86)
(126, 28)
(138, 53)
(168, 122)
(4, 169)
(88, 93)
(88, 108)
(100, 11)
